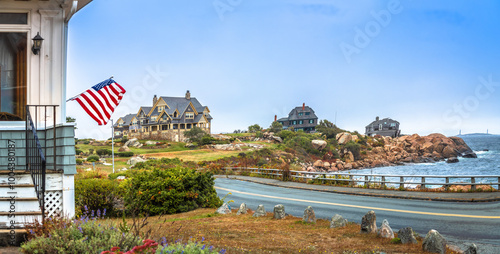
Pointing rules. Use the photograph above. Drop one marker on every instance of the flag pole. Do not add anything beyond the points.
(113, 143)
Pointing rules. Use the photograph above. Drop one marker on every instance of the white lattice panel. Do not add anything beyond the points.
(53, 203)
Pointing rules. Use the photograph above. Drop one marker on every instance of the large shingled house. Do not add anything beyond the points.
(383, 127)
(300, 118)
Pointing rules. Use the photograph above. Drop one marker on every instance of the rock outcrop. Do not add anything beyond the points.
(133, 143)
(319, 144)
(472, 249)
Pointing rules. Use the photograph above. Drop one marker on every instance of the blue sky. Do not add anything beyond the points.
(432, 65)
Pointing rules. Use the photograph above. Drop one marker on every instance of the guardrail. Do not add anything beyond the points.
(382, 180)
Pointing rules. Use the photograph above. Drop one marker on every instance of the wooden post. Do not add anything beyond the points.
(351, 179)
(383, 182)
(401, 182)
(447, 186)
(423, 183)
(473, 183)
(366, 182)
(498, 187)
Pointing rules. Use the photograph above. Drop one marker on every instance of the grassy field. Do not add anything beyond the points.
(246, 234)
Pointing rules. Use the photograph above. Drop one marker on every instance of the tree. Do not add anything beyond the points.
(195, 134)
(276, 127)
(254, 128)
(328, 129)
(70, 119)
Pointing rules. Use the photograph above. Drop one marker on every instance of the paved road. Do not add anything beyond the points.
(461, 223)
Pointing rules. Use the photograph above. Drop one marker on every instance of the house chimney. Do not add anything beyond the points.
(275, 118)
(188, 95)
(303, 106)
(155, 99)
(377, 118)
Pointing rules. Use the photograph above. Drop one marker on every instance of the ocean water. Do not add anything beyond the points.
(486, 163)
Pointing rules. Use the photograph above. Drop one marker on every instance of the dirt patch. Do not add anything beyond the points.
(246, 234)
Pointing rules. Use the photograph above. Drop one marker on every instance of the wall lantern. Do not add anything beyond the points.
(37, 43)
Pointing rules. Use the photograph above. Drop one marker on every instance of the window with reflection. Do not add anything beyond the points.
(13, 56)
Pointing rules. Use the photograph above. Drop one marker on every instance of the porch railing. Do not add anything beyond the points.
(36, 159)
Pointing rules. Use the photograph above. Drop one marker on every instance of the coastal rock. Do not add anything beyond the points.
(133, 143)
(434, 242)
(369, 223)
(318, 164)
(224, 209)
(407, 235)
(279, 212)
(277, 139)
(309, 215)
(338, 221)
(243, 209)
(472, 249)
(319, 144)
(452, 160)
(343, 138)
(449, 152)
(260, 211)
(326, 164)
(134, 160)
(124, 149)
(469, 155)
(385, 230)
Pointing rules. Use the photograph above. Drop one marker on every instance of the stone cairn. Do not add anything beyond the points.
(338, 221)
(369, 223)
(434, 242)
(224, 209)
(309, 215)
(243, 209)
(407, 235)
(385, 230)
(279, 212)
(260, 211)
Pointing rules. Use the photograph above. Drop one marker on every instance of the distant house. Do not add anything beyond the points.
(168, 118)
(385, 127)
(122, 125)
(300, 118)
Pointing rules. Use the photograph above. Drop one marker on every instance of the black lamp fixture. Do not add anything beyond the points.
(37, 43)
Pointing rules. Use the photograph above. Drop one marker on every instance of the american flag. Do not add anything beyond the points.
(101, 100)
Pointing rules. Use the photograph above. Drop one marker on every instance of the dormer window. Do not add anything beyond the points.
(300, 114)
(175, 114)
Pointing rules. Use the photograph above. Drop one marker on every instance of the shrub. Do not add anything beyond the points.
(150, 246)
(95, 194)
(195, 135)
(206, 140)
(93, 158)
(91, 151)
(166, 190)
(103, 151)
(78, 151)
(125, 154)
(84, 235)
(124, 140)
(354, 148)
(79, 162)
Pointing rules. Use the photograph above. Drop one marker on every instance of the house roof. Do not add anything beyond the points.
(381, 121)
(181, 103)
(293, 115)
(126, 119)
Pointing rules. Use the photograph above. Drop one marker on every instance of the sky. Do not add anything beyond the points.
(434, 66)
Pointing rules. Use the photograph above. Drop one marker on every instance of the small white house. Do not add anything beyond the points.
(33, 43)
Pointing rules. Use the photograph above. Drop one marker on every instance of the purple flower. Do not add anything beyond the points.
(104, 212)
(203, 247)
(81, 230)
(202, 239)
(98, 213)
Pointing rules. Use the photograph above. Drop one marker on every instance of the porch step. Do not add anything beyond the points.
(18, 199)
(48, 171)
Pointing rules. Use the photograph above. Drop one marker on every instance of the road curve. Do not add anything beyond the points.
(460, 223)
